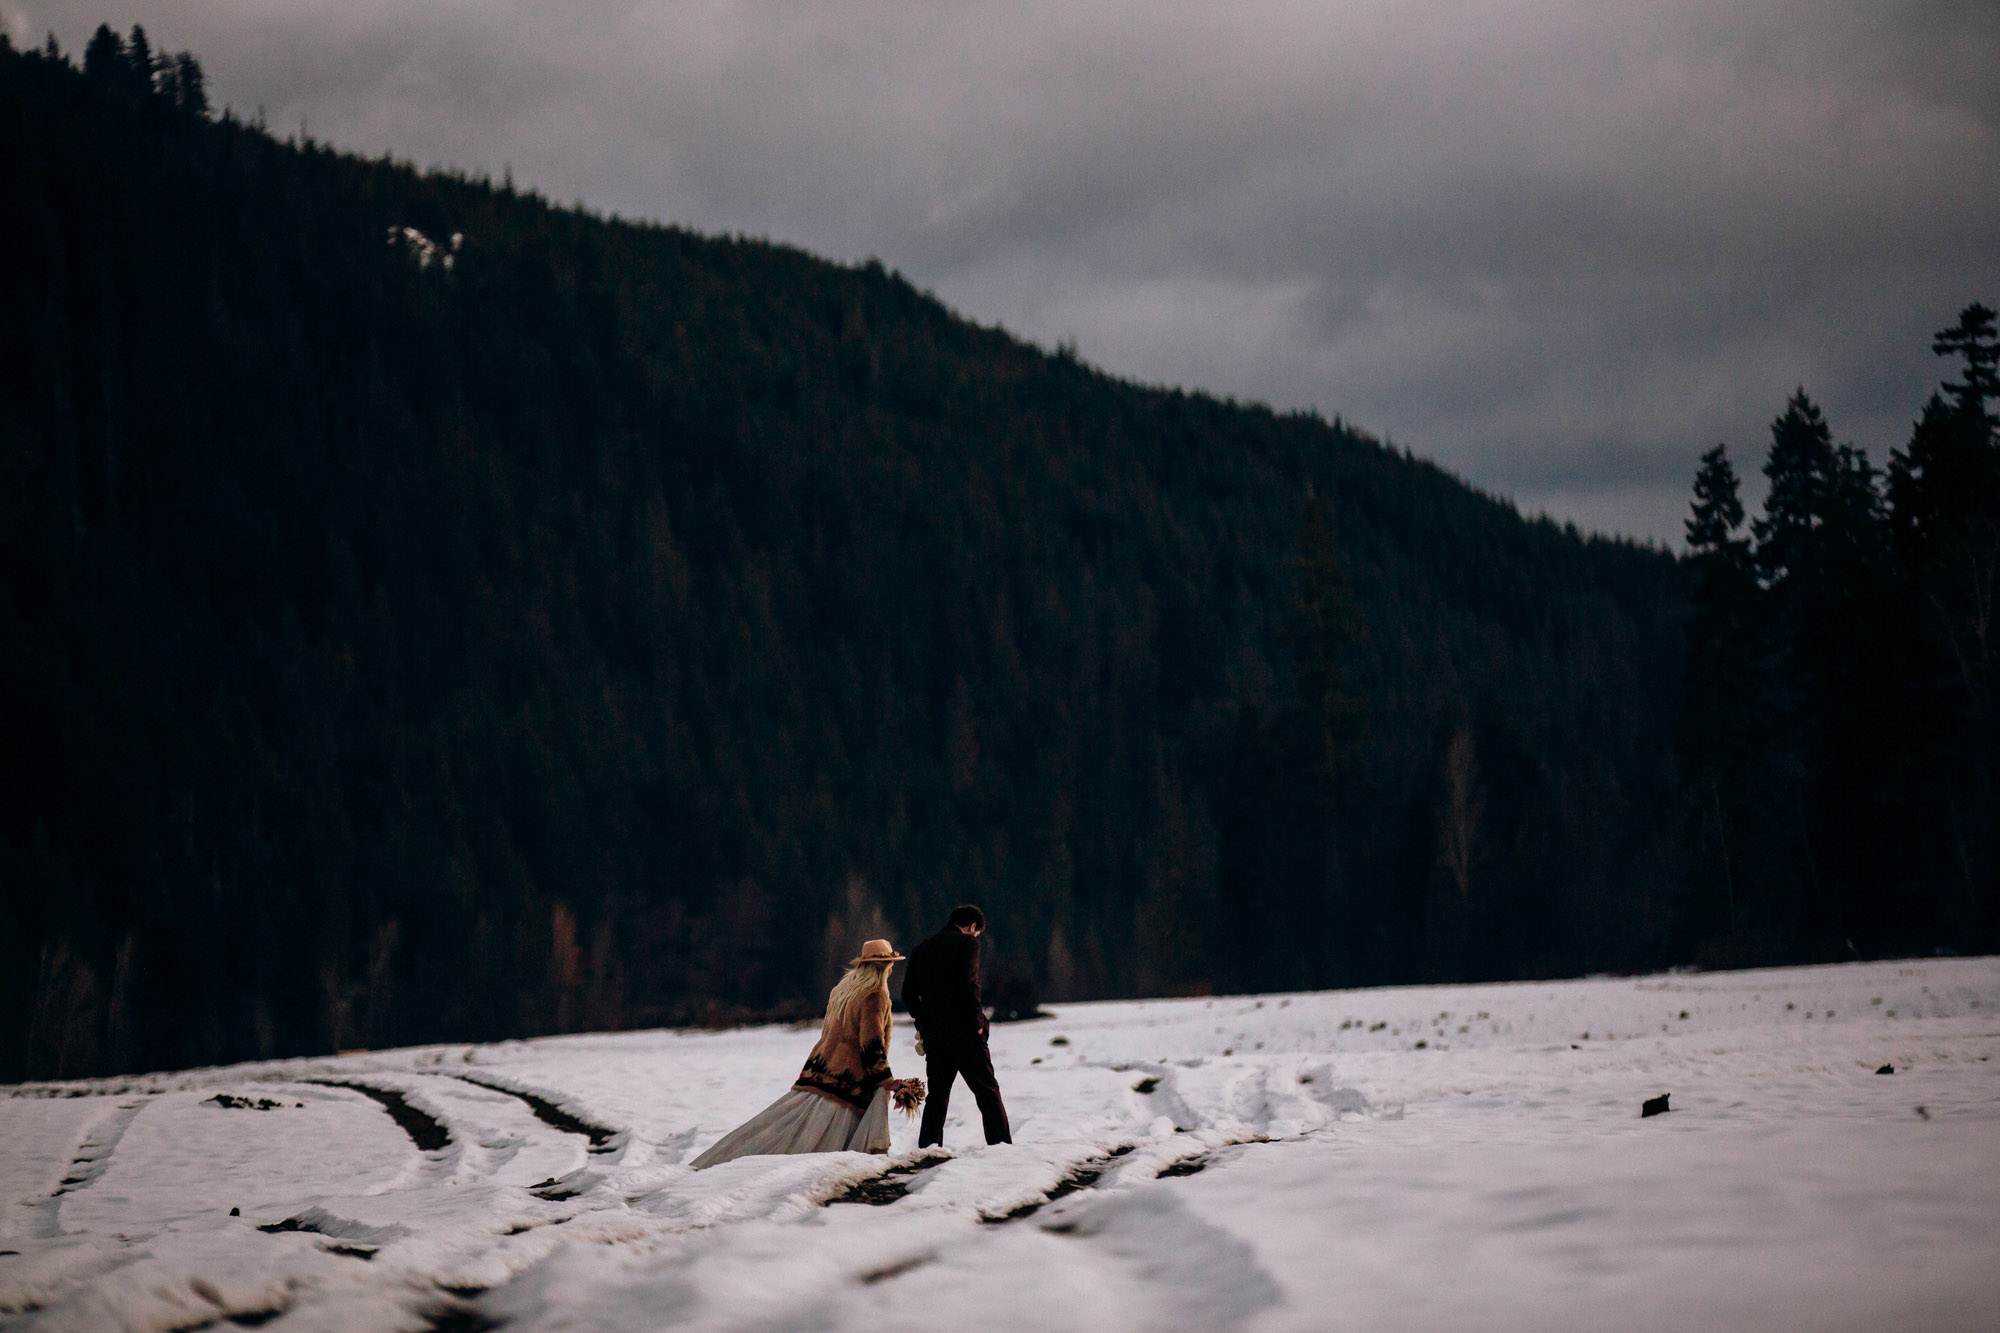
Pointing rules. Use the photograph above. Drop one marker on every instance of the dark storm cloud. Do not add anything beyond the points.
(1560, 248)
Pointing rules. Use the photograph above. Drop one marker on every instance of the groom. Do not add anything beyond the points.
(941, 991)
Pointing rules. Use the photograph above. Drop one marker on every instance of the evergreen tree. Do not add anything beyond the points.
(1944, 517)
(104, 57)
(1713, 526)
(1800, 469)
(1974, 341)
(1844, 655)
(1821, 554)
(140, 64)
(1720, 735)
(187, 85)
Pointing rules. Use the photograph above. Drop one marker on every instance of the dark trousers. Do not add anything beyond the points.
(965, 1058)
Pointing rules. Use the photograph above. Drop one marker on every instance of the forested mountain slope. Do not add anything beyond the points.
(614, 625)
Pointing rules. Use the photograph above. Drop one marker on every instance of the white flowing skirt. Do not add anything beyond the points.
(802, 1121)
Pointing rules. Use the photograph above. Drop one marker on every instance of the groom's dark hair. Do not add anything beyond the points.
(966, 915)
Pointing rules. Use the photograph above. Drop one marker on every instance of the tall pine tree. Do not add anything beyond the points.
(1720, 736)
(1944, 517)
(1819, 554)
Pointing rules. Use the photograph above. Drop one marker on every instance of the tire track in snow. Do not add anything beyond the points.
(425, 1130)
(1084, 1175)
(88, 1164)
(1088, 1175)
(93, 1155)
(602, 1139)
(892, 1184)
(355, 1240)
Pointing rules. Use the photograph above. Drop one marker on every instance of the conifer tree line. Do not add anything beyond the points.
(613, 625)
(1837, 738)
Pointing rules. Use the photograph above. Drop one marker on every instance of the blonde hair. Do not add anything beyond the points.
(843, 1002)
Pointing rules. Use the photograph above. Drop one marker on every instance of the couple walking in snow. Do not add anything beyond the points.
(841, 1100)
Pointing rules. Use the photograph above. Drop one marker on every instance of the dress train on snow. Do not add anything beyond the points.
(803, 1121)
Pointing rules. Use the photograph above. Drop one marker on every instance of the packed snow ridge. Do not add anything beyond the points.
(1411, 1158)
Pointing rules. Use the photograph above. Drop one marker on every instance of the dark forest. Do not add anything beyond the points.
(430, 613)
(1837, 735)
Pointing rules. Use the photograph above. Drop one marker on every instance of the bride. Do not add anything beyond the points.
(841, 1100)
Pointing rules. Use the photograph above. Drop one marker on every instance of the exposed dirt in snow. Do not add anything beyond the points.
(425, 1131)
(552, 1115)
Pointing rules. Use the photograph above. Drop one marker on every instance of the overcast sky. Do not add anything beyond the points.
(1559, 248)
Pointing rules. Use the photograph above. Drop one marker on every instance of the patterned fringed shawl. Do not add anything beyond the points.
(848, 1065)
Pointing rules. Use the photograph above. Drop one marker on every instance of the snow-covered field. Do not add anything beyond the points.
(1452, 1157)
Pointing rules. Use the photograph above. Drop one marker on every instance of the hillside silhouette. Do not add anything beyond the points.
(432, 613)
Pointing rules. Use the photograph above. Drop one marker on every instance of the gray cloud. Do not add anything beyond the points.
(1561, 248)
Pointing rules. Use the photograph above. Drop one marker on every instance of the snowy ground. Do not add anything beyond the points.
(1454, 1157)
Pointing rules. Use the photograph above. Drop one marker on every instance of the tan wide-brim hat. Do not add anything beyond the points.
(877, 951)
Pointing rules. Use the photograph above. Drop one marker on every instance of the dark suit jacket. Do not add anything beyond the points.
(941, 988)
